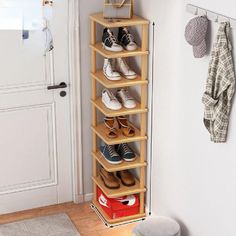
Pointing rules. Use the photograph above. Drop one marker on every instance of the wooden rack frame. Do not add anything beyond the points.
(98, 129)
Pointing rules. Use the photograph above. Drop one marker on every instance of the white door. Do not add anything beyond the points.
(35, 135)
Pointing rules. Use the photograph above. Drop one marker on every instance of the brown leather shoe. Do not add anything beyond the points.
(126, 178)
(109, 179)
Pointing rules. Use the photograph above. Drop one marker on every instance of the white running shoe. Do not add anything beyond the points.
(109, 72)
(123, 68)
(124, 97)
(110, 101)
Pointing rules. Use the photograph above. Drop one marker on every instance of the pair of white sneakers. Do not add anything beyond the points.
(115, 102)
(114, 68)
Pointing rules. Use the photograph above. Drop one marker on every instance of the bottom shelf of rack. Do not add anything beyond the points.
(118, 220)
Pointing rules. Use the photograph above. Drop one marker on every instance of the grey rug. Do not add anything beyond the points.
(53, 225)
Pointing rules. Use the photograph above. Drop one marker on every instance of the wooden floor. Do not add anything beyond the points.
(84, 218)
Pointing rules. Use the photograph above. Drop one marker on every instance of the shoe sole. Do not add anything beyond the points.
(130, 106)
(110, 49)
(130, 76)
(111, 108)
(130, 160)
(129, 49)
(113, 163)
(112, 78)
(104, 182)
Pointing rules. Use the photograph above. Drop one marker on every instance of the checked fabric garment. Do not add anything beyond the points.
(220, 87)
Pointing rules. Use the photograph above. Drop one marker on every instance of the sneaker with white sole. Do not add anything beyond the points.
(126, 39)
(109, 72)
(125, 152)
(110, 155)
(110, 101)
(109, 41)
(124, 97)
(123, 68)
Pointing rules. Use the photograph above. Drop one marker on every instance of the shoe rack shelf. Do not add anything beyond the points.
(104, 216)
(136, 20)
(123, 166)
(98, 129)
(98, 75)
(122, 191)
(122, 112)
(99, 49)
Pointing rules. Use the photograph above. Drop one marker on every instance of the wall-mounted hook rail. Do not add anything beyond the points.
(212, 16)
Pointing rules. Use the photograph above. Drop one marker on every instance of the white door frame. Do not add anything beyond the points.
(75, 97)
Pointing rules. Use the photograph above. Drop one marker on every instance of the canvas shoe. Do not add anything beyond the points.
(126, 39)
(110, 154)
(122, 67)
(109, 41)
(109, 72)
(110, 101)
(125, 152)
(125, 99)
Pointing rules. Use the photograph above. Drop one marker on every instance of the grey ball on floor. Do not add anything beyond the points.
(157, 226)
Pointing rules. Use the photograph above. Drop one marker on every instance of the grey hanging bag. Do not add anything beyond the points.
(118, 9)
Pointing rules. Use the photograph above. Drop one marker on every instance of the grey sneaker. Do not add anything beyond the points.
(125, 152)
(110, 154)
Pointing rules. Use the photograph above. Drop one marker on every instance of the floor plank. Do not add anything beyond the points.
(84, 218)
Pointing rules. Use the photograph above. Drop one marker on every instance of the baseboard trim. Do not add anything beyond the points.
(88, 197)
(78, 198)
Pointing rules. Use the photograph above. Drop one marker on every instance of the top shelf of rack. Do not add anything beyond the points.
(136, 20)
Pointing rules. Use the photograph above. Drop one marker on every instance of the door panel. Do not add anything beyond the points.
(33, 157)
(22, 58)
(35, 137)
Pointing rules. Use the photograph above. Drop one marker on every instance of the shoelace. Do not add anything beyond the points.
(111, 95)
(110, 66)
(111, 150)
(111, 38)
(125, 64)
(127, 96)
(125, 148)
(129, 37)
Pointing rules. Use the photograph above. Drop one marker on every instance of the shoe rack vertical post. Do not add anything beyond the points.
(143, 151)
(94, 95)
(141, 110)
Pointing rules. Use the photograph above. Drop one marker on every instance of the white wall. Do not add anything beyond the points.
(194, 180)
(86, 9)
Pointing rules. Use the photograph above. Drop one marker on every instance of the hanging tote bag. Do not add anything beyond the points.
(118, 9)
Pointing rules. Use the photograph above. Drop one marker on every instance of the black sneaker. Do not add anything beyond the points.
(110, 154)
(126, 39)
(125, 152)
(109, 41)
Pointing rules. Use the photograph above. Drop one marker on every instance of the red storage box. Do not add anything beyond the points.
(118, 207)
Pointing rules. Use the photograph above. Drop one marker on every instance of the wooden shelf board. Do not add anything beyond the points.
(122, 191)
(99, 76)
(123, 166)
(122, 112)
(118, 220)
(100, 130)
(107, 54)
(135, 20)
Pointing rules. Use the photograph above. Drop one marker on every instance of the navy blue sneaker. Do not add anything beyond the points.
(125, 152)
(110, 154)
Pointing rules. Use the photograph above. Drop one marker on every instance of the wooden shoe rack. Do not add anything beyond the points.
(98, 129)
